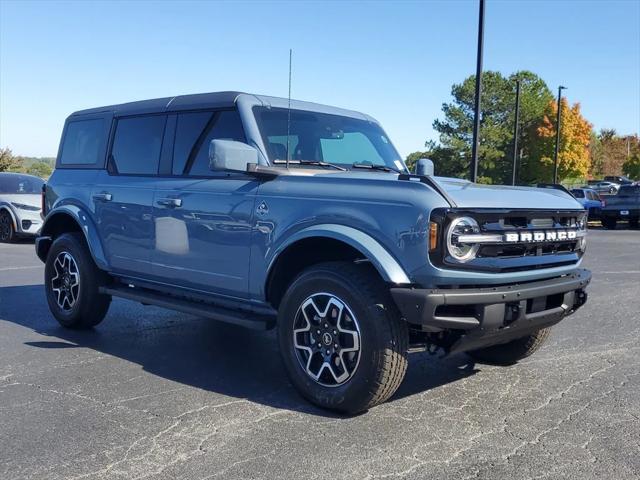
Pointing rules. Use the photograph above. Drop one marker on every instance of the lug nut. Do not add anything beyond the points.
(326, 325)
(328, 352)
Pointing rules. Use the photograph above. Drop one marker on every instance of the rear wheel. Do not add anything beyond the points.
(609, 223)
(510, 353)
(72, 282)
(341, 338)
(7, 232)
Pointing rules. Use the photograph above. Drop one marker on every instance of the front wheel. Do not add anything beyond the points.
(7, 232)
(72, 281)
(510, 353)
(342, 341)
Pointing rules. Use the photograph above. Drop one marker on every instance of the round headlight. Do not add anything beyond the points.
(460, 251)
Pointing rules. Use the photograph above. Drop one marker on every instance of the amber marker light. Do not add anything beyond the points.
(433, 236)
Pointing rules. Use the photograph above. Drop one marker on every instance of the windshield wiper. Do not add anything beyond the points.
(382, 168)
(315, 163)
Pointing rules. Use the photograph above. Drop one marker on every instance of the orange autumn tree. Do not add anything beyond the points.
(575, 136)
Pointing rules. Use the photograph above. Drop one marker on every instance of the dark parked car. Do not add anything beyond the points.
(623, 206)
(267, 213)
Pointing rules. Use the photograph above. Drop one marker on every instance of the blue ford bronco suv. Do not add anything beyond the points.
(250, 210)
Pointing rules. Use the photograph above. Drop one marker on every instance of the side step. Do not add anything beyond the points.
(200, 309)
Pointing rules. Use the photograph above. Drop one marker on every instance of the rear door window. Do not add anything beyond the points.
(83, 142)
(194, 132)
(137, 144)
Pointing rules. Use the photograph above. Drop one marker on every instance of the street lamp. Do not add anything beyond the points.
(555, 158)
(476, 120)
(515, 132)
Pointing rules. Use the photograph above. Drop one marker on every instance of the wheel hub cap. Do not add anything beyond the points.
(326, 338)
(65, 283)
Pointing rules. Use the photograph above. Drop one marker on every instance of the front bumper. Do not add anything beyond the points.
(27, 223)
(493, 315)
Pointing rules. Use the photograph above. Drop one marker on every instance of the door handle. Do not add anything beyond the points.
(170, 202)
(102, 197)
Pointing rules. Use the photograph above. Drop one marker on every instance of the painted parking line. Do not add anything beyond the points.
(20, 268)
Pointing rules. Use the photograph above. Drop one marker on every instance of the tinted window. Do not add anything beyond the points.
(629, 190)
(194, 132)
(137, 144)
(14, 183)
(83, 142)
(578, 193)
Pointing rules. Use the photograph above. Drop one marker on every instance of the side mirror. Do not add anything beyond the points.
(424, 167)
(231, 156)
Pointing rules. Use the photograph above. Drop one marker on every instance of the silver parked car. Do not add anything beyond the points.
(605, 187)
(20, 206)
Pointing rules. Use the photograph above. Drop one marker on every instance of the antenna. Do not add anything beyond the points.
(289, 111)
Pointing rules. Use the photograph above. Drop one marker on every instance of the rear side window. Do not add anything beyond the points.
(83, 142)
(194, 132)
(137, 144)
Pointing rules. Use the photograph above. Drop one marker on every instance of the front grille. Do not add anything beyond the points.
(526, 253)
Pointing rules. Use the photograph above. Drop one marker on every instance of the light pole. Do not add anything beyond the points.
(515, 133)
(476, 120)
(555, 158)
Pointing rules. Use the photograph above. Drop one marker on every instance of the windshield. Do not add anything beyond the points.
(578, 193)
(13, 184)
(321, 137)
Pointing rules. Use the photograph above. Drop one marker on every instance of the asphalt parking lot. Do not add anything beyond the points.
(155, 394)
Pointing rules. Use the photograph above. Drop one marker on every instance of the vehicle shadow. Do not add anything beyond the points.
(201, 353)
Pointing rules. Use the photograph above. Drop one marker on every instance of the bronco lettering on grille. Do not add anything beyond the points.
(549, 236)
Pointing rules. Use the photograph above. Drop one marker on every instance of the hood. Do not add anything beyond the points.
(32, 199)
(474, 195)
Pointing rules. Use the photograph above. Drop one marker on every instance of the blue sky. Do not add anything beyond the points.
(393, 60)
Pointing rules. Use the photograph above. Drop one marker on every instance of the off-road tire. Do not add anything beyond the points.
(7, 232)
(510, 353)
(609, 223)
(90, 306)
(383, 336)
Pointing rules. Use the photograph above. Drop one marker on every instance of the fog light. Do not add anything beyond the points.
(26, 224)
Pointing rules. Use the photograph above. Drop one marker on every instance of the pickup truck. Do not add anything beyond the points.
(270, 213)
(625, 205)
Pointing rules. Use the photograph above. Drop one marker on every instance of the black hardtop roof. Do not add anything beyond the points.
(168, 104)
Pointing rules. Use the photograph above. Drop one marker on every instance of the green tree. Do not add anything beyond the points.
(632, 167)
(452, 156)
(7, 160)
(40, 169)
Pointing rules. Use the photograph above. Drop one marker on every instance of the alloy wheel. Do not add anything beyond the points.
(5, 227)
(326, 338)
(65, 284)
